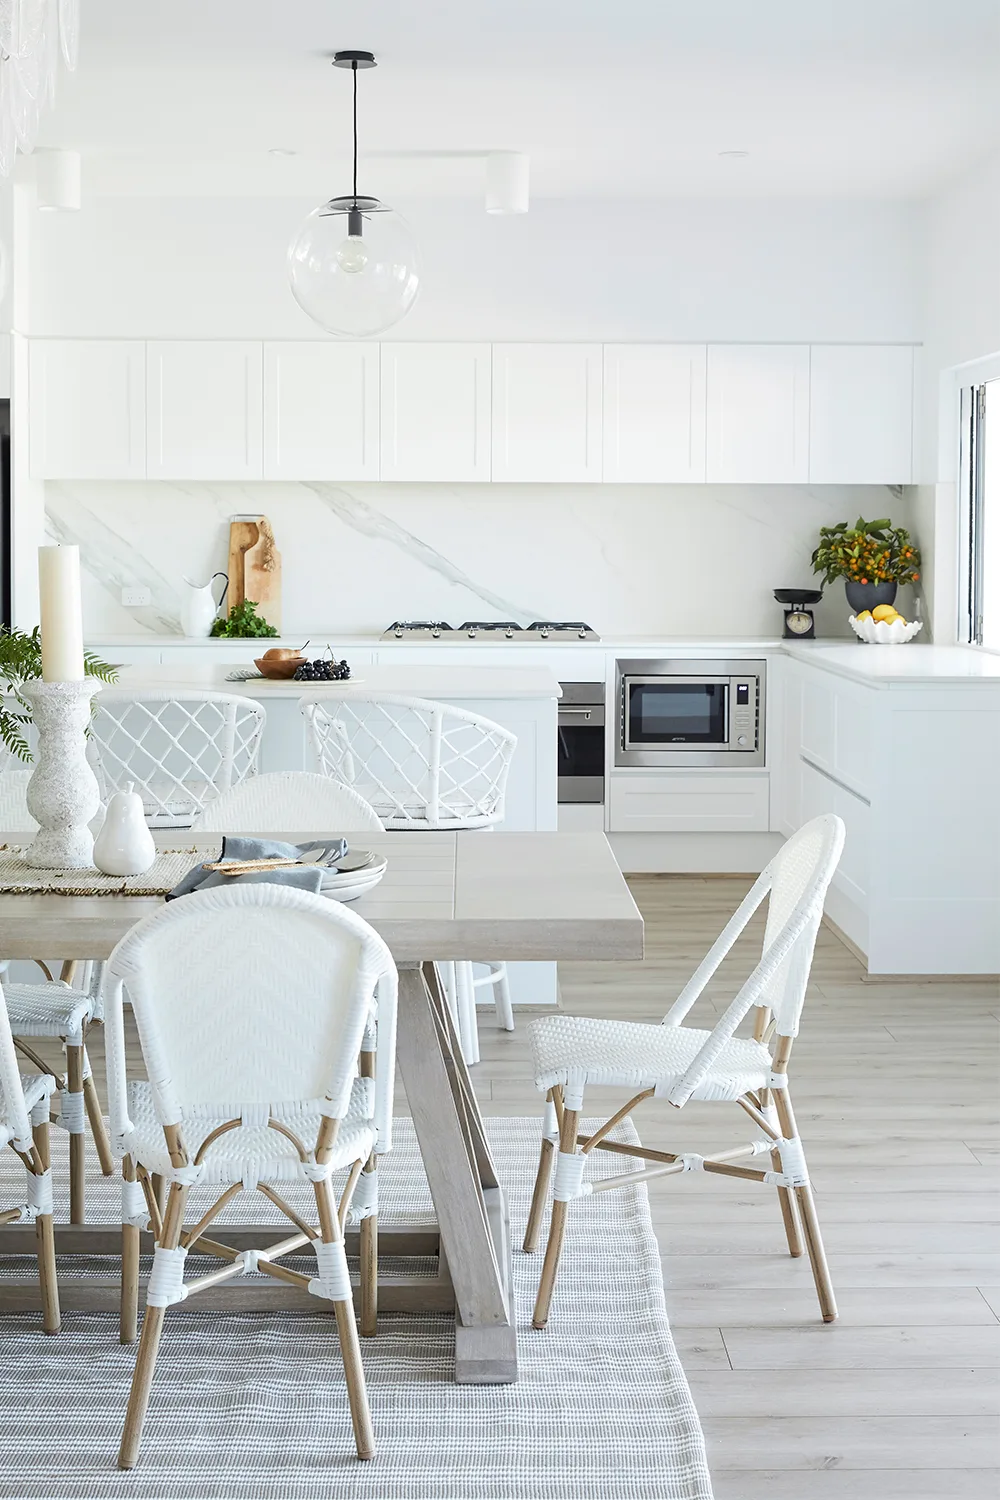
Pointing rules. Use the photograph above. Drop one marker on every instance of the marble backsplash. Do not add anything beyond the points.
(631, 560)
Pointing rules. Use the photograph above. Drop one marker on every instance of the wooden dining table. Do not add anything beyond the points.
(444, 896)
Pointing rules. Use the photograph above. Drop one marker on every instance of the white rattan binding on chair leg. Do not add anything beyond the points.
(422, 765)
(680, 1063)
(202, 975)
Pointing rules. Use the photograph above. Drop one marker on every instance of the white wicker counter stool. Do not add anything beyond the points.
(241, 1101)
(423, 765)
(179, 749)
(24, 1126)
(62, 1010)
(679, 1063)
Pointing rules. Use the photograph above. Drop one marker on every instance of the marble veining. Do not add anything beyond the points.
(653, 560)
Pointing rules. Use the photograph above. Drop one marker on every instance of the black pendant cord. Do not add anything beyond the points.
(354, 72)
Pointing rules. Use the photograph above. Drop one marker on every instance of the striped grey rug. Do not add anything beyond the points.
(252, 1406)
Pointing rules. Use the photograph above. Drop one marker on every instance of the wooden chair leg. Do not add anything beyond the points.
(369, 1266)
(92, 1100)
(542, 1178)
(77, 1142)
(347, 1329)
(810, 1223)
(129, 1309)
(557, 1228)
(149, 1342)
(789, 1213)
(45, 1242)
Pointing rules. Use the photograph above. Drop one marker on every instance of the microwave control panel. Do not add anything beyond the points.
(743, 714)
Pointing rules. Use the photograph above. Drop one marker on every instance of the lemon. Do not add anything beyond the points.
(865, 614)
(883, 612)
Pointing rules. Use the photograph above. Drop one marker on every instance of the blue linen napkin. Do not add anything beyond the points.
(305, 878)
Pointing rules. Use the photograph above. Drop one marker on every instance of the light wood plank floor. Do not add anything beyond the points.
(896, 1093)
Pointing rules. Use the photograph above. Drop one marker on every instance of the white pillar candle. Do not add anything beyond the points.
(62, 614)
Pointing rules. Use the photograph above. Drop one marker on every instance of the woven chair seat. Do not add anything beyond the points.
(252, 1150)
(49, 1010)
(582, 1049)
(35, 1087)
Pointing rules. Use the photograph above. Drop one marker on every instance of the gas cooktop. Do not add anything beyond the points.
(476, 630)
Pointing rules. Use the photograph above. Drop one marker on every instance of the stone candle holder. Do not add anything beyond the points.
(62, 794)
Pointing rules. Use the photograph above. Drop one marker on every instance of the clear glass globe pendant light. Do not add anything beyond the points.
(353, 264)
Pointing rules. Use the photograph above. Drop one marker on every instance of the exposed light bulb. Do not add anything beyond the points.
(352, 254)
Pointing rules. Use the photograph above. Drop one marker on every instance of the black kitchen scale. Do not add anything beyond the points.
(800, 624)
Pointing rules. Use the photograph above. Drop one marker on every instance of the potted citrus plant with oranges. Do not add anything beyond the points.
(872, 557)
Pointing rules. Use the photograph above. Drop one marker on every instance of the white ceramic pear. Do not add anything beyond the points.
(124, 845)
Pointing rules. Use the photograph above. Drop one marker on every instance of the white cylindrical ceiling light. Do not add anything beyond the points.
(506, 182)
(57, 180)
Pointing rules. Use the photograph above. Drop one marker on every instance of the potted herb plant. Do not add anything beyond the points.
(20, 662)
(872, 557)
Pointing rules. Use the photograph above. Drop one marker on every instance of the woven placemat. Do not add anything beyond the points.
(18, 878)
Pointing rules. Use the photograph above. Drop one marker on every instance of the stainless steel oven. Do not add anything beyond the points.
(690, 713)
(581, 742)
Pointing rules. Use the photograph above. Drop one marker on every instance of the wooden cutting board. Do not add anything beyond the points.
(255, 567)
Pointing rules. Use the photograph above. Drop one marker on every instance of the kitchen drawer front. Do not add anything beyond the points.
(821, 794)
(689, 802)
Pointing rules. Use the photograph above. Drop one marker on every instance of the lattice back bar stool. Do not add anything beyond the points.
(24, 1126)
(422, 765)
(289, 802)
(62, 1009)
(180, 749)
(679, 1063)
(254, 1004)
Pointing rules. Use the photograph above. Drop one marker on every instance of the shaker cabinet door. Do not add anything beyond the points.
(86, 412)
(861, 414)
(654, 413)
(758, 414)
(547, 412)
(204, 415)
(321, 416)
(436, 411)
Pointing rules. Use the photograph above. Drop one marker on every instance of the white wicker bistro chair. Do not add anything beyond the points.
(267, 1022)
(180, 749)
(679, 1063)
(61, 1009)
(24, 1126)
(289, 802)
(422, 765)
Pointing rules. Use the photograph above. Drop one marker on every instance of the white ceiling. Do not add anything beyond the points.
(616, 98)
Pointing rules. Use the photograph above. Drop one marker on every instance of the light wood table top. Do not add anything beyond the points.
(540, 896)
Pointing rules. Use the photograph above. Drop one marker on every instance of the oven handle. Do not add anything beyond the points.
(594, 713)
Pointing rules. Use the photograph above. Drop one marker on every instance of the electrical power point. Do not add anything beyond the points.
(136, 598)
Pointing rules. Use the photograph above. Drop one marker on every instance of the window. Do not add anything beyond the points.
(981, 482)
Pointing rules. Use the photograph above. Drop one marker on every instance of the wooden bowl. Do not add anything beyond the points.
(279, 668)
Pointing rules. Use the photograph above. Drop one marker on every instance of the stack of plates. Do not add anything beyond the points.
(358, 872)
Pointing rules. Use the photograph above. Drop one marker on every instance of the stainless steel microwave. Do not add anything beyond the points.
(690, 713)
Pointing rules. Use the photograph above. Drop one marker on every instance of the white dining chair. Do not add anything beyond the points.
(266, 1017)
(180, 749)
(289, 802)
(678, 1063)
(63, 1011)
(423, 765)
(24, 1127)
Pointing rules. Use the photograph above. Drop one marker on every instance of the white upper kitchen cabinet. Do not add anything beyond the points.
(436, 411)
(321, 416)
(547, 412)
(861, 414)
(204, 410)
(758, 414)
(654, 413)
(86, 410)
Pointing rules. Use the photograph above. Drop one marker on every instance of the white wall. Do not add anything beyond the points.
(683, 560)
(799, 270)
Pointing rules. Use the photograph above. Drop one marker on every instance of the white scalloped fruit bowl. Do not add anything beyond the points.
(884, 633)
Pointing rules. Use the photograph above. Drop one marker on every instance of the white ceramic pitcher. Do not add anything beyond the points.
(199, 606)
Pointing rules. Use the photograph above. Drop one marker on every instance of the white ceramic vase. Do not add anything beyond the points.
(199, 606)
(62, 793)
(124, 845)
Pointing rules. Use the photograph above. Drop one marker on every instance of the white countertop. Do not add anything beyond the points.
(447, 684)
(640, 644)
(900, 665)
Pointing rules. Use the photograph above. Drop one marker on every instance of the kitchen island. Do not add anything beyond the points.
(522, 699)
